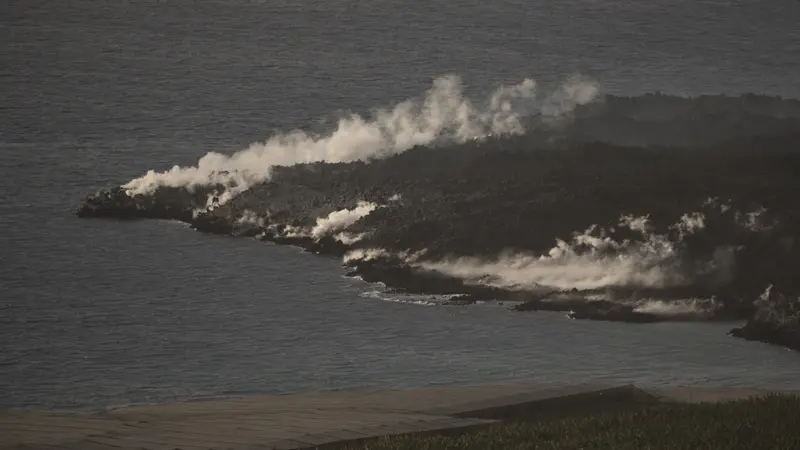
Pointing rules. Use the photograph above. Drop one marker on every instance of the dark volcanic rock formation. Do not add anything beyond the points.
(170, 203)
(657, 156)
(776, 321)
(778, 333)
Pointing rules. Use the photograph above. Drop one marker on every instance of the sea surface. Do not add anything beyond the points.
(99, 313)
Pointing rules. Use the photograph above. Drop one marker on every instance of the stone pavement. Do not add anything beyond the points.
(313, 419)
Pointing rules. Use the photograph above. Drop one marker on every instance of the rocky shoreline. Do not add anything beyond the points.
(692, 232)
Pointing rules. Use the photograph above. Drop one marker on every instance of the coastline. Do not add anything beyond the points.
(574, 218)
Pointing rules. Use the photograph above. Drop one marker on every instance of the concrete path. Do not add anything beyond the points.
(308, 420)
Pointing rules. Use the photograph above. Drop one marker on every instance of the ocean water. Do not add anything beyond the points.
(98, 313)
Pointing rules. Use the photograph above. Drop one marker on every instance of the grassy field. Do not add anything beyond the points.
(770, 423)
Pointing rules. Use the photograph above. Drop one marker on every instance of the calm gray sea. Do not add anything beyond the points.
(99, 313)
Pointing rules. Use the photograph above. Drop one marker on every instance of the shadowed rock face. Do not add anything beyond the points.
(779, 334)
(656, 156)
(776, 319)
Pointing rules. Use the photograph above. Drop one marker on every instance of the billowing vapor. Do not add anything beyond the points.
(677, 307)
(577, 90)
(339, 220)
(777, 307)
(370, 254)
(349, 238)
(365, 254)
(248, 221)
(589, 261)
(592, 260)
(250, 218)
(564, 268)
(442, 114)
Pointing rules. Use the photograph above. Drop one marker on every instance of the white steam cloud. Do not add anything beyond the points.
(250, 218)
(339, 220)
(349, 238)
(565, 267)
(593, 260)
(691, 306)
(248, 221)
(333, 224)
(365, 254)
(589, 261)
(371, 254)
(578, 90)
(777, 307)
(444, 113)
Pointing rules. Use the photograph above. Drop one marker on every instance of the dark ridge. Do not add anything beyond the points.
(655, 155)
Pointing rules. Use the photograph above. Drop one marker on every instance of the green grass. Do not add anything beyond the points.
(770, 423)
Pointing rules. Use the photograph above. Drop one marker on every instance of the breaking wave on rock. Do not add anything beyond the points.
(638, 209)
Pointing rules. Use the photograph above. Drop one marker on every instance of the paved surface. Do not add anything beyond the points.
(304, 420)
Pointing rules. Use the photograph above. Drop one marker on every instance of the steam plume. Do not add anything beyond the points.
(443, 113)
(339, 220)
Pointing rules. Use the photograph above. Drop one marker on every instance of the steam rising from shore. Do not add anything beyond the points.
(690, 306)
(593, 260)
(443, 114)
